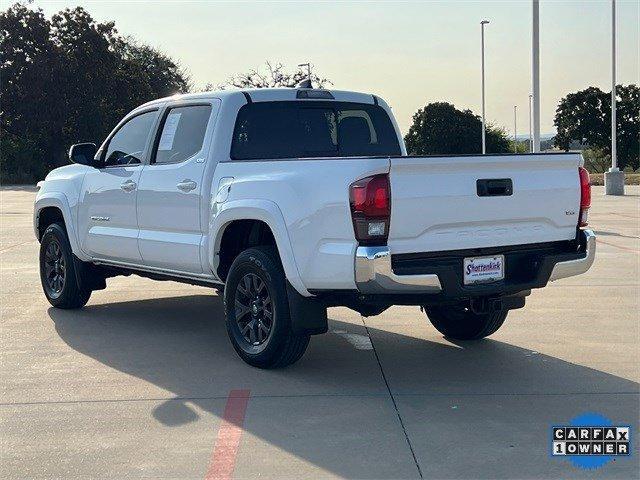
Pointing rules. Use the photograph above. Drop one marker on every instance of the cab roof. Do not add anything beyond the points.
(268, 95)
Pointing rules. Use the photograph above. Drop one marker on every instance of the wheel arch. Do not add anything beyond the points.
(253, 216)
(47, 216)
(52, 208)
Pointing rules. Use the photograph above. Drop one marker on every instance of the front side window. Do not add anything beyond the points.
(127, 145)
(301, 129)
(182, 134)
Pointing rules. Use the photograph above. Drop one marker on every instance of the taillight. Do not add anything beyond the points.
(370, 200)
(585, 196)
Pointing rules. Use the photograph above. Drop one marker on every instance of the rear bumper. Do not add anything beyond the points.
(579, 265)
(374, 274)
(528, 266)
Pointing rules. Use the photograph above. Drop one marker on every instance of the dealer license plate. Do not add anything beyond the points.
(483, 269)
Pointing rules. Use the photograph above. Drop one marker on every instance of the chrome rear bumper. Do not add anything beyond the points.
(374, 274)
(580, 265)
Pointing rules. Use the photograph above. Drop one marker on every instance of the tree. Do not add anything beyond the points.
(69, 79)
(149, 73)
(440, 128)
(595, 160)
(29, 61)
(271, 76)
(585, 117)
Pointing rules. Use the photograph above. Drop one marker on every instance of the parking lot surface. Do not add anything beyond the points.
(143, 381)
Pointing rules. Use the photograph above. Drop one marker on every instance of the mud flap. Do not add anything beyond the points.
(87, 275)
(308, 315)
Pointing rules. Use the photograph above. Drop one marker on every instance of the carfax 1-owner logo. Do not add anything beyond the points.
(590, 440)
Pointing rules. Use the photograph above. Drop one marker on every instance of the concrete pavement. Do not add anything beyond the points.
(135, 384)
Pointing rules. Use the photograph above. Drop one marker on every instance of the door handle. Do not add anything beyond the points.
(128, 186)
(187, 185)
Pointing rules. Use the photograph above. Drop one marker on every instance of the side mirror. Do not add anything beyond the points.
(83, 153)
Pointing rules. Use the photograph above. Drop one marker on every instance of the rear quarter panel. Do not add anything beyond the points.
(313, 196)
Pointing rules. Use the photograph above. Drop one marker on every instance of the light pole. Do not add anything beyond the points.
(535, 74)
(530, 134)
(308, 65)
(614, 136)
(484, 129)
(614, 178)
(515, 129)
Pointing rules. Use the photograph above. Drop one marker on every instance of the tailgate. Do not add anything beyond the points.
(437, 204)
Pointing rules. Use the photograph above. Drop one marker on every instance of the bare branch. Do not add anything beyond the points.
(275, 76)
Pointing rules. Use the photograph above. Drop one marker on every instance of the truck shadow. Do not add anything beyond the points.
(180, 345)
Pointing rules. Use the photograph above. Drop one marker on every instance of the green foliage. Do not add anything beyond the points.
(519, 147)
(440, 129)
(69, 79)
(585, 117)
(596, 160)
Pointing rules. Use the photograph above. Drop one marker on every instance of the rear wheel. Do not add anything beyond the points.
(461, 323)
(257, 311)
(57, 270)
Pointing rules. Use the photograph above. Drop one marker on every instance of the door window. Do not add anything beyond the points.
(127, 145)
(182, 134)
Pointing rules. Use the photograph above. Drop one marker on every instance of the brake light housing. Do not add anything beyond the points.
(370, 202)
(585, 196)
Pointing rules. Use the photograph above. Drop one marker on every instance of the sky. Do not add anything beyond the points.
(409, 53)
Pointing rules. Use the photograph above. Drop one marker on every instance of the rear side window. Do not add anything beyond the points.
(182, 134)
(300, 129)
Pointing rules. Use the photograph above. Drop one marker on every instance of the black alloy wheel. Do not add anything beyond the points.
(58, 275)
(55, 269)
(254, 309)
(257, 311)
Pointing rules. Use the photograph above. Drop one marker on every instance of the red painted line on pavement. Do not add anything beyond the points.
(618, 246)
(225, 451)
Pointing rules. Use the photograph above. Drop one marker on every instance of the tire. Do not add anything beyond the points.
(460, 323)
(257, 311)
(58, 270)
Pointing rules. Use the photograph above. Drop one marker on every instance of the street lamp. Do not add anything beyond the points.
(484, 142)
(614, 178)
(515, 129)
(308, 65)
(535, 73)
(530, 134)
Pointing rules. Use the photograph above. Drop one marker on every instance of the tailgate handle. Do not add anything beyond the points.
(494, 187)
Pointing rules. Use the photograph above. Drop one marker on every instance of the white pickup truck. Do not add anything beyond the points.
(293, 200)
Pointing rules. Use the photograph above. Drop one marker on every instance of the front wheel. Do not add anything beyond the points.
(57, 270)
(257, 311)
(460, 323)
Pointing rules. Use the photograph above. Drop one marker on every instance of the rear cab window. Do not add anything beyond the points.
(304, 129)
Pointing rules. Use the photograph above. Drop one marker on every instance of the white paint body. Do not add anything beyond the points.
(160, 228)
